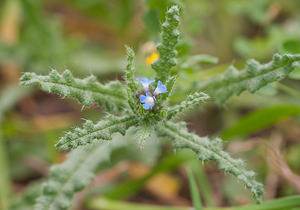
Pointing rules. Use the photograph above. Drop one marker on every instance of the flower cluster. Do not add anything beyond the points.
(148, 100)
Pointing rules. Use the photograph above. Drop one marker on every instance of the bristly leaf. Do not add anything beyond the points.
(252, 78)
(166, 48)
(170, 85)
(132, 86)
(87, 91)
(212, 150)
(143, 132)
(192, 101)
(90, 132)
(26, 200)
(130, 70)
(73, 175)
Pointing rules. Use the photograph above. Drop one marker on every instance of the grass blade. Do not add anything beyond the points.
(260, 119)
(286, 203)
(194, 190)
(203, 182)
(4, 177)
(106, 204)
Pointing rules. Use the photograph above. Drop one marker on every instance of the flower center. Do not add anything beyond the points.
(149, 100)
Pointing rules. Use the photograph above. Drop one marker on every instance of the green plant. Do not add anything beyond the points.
(145, 110)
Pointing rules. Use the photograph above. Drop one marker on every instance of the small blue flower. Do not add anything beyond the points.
(146, 82)
(160, 88)
(147, 101)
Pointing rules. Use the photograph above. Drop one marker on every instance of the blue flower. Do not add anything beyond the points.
(147, 101)
(146, 82)
(160, 88)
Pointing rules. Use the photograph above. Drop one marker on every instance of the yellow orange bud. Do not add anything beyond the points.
(152, 58)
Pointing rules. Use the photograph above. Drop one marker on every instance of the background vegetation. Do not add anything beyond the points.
(88, 37)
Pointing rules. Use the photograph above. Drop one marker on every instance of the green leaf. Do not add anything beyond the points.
(26, 200)
(290, 46)
(74, 174)
(192, 101)
(132, 86)
(260, 119)
(170, 86)
(194, 191)
(166, 48)
(253, 77)
(130, 70)
(90, 132)
(87, 91)
(207, 149)
(143, 132)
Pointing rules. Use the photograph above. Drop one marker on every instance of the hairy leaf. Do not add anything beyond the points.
(132, 86)
(207, 149)
(170, 86)
(90, 132)
(143, 132)
(192, 101)
(73, 175)
(130, 70)
(26, 200)
(166, 48)
(87, 91)
(252, 78)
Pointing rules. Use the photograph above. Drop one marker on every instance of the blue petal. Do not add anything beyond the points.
(163, 90)
(151, 80)
(146, 107)
(143, 99)
(146, 81)
(160, 88)
(143, 80)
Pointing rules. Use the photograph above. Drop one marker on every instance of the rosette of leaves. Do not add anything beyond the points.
(156, 116)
